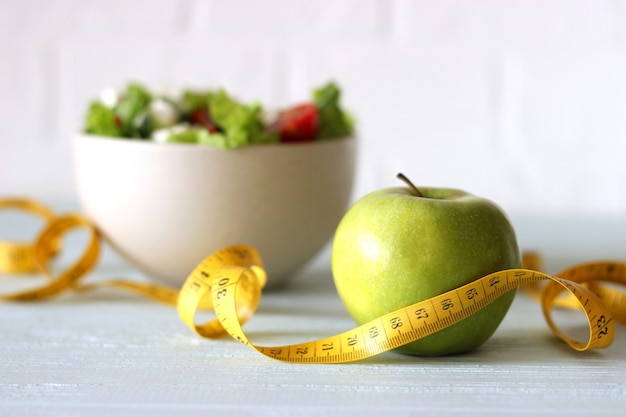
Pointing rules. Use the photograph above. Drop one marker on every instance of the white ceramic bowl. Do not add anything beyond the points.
(165, 207)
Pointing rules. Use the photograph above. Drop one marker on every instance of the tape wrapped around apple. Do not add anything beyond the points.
(398, 246)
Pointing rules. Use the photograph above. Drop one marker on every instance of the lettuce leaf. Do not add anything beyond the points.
(196, 99)
(241, 124)
(100, 120)
(199, 135)
(133, 103)
(186, 136)
(122, 120)
(334, 122)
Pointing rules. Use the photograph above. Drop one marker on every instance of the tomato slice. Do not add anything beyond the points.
(201, 116)
(298, 124)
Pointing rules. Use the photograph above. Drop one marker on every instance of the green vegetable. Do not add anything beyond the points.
(100, 120)
(126, 119)
(135, 101)
(200, 136)
(143, 124)
(216, 140)
(334, 123)
(241, 124)
(194, 99)
(186, 136)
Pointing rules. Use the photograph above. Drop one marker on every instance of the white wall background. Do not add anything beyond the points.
(520, 101)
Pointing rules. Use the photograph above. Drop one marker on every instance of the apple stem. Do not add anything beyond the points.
(410, 184)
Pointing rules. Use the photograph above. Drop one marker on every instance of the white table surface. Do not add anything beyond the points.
(108, 353)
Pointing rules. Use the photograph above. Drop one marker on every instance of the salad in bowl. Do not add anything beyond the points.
(215, 118)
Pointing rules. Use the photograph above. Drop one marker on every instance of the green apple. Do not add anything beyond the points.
(398, 246)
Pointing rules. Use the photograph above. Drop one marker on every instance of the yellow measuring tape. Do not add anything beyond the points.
(231, 280)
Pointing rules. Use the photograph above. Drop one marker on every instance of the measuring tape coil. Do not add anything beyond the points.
(230, 281)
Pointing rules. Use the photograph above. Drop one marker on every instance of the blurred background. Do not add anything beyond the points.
(521, 101)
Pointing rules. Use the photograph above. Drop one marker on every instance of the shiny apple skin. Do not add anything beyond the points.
(393, 249)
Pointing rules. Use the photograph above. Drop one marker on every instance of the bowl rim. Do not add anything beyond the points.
(148, 144)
